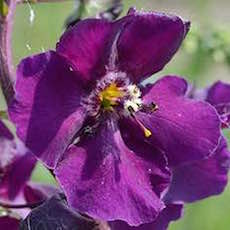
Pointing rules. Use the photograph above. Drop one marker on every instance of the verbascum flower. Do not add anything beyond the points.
(112, 142)
(16, 166)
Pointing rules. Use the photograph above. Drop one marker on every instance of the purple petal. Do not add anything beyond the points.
(5, 132)
(219, 96)
(16, 165)
(9, 223)
(104, 179)
(46, 109)
(35, 192)
(16, 175)
(161, 177)
(7, 147)
(219, 93)
(148, 42)
(139, 44)
(183, 128)
(85, 45)
(201, 179)
(171, 212)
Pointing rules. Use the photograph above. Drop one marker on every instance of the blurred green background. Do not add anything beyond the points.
(204, 58)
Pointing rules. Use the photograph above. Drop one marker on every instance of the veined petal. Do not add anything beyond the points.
(160, 177)
(86, 46)
(16, 164)
(147, 42)
(185, 129)
(170, 213)
(201, 179)
(16, 174)
(138, 44)
(103, 178)
(46, 108)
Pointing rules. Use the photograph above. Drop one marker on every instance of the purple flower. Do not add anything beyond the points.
(217, 95)
(16, 166)
(82, 111)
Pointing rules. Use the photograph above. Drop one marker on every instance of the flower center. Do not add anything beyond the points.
(110, 96)
(113, 93)
(129, 98)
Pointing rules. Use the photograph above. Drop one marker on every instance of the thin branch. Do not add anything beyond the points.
(41, 1)
(6, 66)
(7, 74)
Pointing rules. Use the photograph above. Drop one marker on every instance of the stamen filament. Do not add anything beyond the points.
(146, 131)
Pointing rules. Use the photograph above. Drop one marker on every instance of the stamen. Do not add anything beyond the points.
(152, 107)
(146, 131)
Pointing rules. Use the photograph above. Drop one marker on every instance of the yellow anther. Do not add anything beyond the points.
(147, 132)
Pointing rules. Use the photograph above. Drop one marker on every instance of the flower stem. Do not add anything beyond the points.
(6, 66)
(7, 74)
(40, 1)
